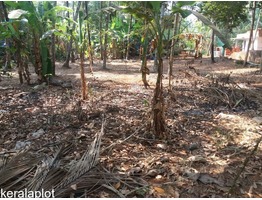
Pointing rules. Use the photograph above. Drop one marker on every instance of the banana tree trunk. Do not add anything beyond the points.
(19, 64)
(158, 100)
(37, 53)
(144, 68)
(53, 54)
(158, 114)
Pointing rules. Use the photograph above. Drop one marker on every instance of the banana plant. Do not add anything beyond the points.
(150, 12)
(28, 11)
(51, 15)
(17, 28)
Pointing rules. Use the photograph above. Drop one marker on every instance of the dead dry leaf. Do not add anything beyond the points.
(117, 185)
(207, 179)
(152, 173)
(197, 158)
(159, 190)
(74, 187)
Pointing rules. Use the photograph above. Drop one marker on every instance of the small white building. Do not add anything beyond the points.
(242, 40)
(241, 45)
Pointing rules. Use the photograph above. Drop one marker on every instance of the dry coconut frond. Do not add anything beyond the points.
(83, 166)
(49, 172)
(14, 173)
(36, 171)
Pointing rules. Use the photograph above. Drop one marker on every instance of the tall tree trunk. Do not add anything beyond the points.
(255, 35)
(128, 37)
(69, 47)
(90, 49)
(105, 41)
(251, 31)
(212, 47)
(261, 62)
(53, 45)
(101, 31)
(74, 44)
(171, 58)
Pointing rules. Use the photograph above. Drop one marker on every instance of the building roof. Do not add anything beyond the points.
(245, 36)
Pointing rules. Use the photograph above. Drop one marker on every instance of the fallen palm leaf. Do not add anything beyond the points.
(49, 172)
(83, 166)
(17, 169)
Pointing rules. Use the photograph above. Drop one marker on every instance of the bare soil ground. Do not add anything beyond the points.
(213, 124)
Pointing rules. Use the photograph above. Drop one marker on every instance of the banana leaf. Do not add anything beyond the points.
(178, 8)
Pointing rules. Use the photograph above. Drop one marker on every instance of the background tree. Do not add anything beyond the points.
(101, 31)
(177, 11)
(90, 48)
(253, 6)
(128, 36)
(225, 14)
(107, 17)
(69, 46)
(83, 44)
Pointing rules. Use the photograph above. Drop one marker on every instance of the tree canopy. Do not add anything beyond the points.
(226, 14)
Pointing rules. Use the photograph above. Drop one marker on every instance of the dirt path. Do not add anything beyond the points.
(213, 125)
